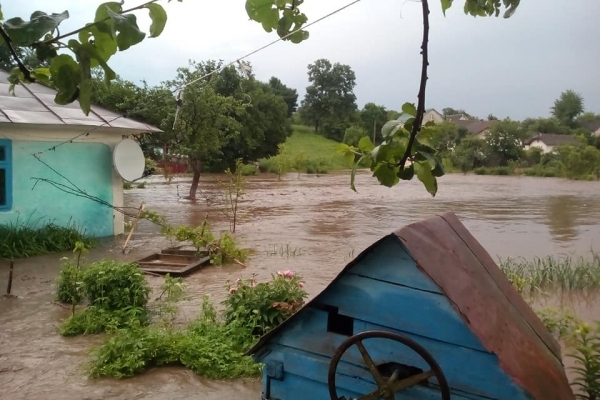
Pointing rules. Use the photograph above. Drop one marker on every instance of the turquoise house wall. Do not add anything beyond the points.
(87, 165)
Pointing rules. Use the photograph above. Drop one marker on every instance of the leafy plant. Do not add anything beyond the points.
(262, 306)
(94, 320)
(173, 290)
(560, 322)
(113, 29)
(112, 286)
(117, 294)
(207, 347)
(586, 352)
(70, 283)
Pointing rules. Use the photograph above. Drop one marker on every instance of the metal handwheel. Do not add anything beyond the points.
(387, 389)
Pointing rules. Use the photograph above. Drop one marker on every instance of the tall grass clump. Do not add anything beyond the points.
(21, 240)
(550, 274)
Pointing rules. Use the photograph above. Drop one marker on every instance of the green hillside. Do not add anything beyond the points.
(308, 152)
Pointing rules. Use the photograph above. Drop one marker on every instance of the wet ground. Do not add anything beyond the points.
(311, 225)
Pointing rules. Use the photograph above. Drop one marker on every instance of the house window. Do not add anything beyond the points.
(5, 175)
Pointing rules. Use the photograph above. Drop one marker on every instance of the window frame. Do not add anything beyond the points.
(6, 164)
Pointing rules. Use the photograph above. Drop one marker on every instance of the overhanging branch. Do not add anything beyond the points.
(421, 96)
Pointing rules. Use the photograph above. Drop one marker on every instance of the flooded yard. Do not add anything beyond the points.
(310, 225)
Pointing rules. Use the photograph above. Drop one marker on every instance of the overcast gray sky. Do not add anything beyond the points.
(509, 67)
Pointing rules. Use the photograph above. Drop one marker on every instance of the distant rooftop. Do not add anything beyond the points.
(552, 139)
(34, 104)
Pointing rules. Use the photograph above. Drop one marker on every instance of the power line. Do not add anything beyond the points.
(53, 148)
(266, 46)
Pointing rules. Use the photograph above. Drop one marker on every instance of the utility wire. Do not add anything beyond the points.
(53, 148)
(265, 46)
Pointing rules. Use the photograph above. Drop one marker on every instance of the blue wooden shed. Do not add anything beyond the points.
(424, 313)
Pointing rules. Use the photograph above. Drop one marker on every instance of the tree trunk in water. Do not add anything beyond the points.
(196, 167)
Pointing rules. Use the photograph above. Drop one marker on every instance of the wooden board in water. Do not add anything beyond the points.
(173, 264)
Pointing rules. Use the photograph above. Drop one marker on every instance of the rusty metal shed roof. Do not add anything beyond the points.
(34, 104)
(498, 316)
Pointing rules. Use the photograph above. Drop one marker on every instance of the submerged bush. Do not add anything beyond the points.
(262, 306)
(117, 294)
(213, 345)
(115, 286)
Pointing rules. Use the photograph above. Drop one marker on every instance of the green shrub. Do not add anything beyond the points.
(115, 286)
(262, 306)
(249, 170)
(127, 185)
(210, 349)
(480, 171)
(94, 320)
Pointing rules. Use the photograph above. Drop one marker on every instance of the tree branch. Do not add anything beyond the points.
(26, 72)
(76, 31)
(421, 96)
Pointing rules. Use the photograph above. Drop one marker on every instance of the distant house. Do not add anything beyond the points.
(477, 128)
(68, 143)
(548, 141)
(430, 115)
(424, 313)
(456, 117)
(593, 127)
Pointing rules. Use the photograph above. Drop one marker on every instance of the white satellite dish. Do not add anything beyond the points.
(128, 159)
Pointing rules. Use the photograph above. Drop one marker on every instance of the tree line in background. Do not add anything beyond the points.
(233, 116)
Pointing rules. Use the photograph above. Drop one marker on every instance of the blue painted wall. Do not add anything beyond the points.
(87, 165)
(384, 291)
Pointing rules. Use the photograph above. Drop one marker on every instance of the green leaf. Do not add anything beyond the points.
(353, 173)
(24, 33)
(104, 41)
(129, 32)
(158, 15)
(65, 77)
(347, 151)
(299, 36)
(390, 152)
(16, 76)
(425, 175)
(365, 144)
(42, 75)
(386, 174)
(410, 109)
(390, 128)
(446, 4)
(102, 10)
(407, 173)
(1, 15)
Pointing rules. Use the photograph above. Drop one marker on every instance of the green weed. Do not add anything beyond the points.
(286, 251)
(550, 274)
(21, 240)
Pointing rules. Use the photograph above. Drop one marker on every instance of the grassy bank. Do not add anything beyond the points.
(307, 152)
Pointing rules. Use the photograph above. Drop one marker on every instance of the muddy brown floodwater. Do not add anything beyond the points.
(311, 225)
